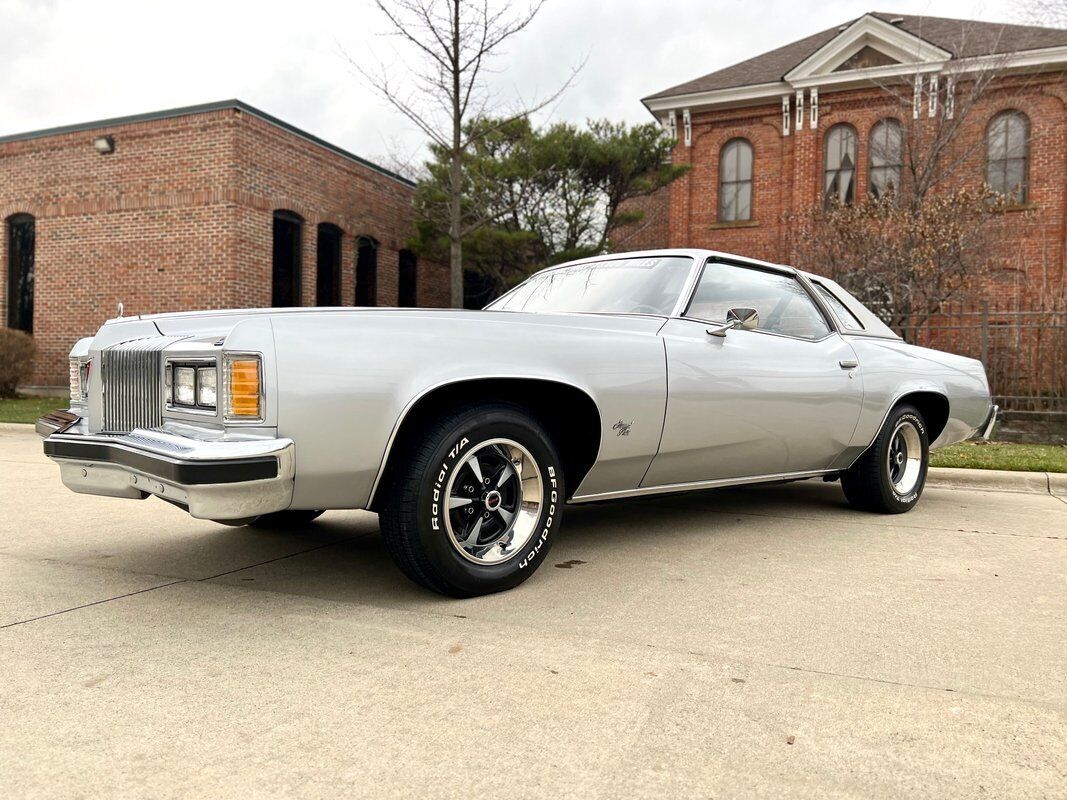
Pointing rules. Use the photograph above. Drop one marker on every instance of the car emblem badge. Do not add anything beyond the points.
(622, 428)
(492, 500)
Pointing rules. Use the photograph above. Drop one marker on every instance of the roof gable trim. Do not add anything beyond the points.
(867, 31)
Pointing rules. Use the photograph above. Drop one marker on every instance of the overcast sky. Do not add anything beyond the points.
(67, 61)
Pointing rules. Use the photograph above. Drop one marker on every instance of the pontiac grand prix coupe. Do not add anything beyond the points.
(468, 431)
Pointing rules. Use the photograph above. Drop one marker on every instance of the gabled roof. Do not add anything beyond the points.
(235, 105)
(958, 38)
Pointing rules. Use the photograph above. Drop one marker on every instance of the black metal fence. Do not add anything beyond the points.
(1024, 352)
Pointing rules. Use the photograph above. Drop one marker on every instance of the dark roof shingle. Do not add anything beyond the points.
(962, 38)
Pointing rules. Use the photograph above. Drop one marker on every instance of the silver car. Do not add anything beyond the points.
(468, 431)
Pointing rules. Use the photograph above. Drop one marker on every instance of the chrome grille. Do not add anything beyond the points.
(133, 384)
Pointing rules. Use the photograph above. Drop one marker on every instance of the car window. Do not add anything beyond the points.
(846, 318)
(784, 306)
(613, 286)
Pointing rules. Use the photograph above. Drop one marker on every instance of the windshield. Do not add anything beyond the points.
(616, 286)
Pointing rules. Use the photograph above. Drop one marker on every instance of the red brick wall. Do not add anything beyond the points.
(180, 216)
(788, 178)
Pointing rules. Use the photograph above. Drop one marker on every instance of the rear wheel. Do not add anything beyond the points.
(889, 477)
(474, 502)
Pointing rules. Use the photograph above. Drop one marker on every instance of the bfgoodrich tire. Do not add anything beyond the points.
(474, 502)
(889, 477)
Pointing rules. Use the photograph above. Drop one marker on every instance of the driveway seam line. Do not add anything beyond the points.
(93, 603)
(171, 583)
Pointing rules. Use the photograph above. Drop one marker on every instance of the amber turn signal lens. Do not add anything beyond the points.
(244, 391)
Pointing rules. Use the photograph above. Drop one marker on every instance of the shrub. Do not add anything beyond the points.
(17, 351)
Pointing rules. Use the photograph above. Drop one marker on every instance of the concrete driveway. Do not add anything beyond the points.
(758, 642)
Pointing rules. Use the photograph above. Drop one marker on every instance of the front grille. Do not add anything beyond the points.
(133, 384)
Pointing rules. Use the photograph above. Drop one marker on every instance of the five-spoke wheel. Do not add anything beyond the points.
(890, 475)
(494, 501)
(475, 501)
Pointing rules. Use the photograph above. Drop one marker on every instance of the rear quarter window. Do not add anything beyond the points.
(845, 318)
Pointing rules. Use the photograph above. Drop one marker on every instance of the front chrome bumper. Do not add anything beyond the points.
(223, 480)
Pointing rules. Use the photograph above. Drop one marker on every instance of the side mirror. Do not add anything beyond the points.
(744, 318)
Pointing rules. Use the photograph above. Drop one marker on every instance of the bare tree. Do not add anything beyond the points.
(447, 49)
(1046, 13)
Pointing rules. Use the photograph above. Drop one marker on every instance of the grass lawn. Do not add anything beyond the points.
(28, 409)
(1001, 455)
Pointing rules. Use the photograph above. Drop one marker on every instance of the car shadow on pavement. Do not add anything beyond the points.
(347, 561)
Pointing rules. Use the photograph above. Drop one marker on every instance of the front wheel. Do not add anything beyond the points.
(474, 503)
(889, 477)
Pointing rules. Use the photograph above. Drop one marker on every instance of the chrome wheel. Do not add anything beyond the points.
(905, 457)
(494, 502)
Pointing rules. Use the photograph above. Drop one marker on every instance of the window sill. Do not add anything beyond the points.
(745, 223)
(1013, 209)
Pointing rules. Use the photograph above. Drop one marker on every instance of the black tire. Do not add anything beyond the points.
(294, 518)
(869, 483)
(423, 533)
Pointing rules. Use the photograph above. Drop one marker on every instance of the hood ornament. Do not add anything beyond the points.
(120, 309)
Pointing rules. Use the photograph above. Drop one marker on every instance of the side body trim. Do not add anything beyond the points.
(697, 485)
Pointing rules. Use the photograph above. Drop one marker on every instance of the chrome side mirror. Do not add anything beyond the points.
(744, 318)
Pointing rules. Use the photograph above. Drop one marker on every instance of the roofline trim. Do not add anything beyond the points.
(735, 96)
(206, 108)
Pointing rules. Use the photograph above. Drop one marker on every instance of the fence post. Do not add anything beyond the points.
(985, 334)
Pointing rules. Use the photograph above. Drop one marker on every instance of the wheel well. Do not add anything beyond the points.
(569, 416)
(934, 410)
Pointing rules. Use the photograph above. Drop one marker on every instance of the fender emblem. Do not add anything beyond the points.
(622, 428)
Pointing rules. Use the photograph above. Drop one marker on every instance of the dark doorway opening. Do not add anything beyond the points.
(328, 266)
(366, 271)
(285, 289)
(408, 280)
(21, 253)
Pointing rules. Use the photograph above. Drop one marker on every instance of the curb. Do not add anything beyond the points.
(996, 480)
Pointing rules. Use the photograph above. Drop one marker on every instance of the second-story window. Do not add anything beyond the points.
(839, 172)
(1008, 156)
(886, 158)
(735, 181)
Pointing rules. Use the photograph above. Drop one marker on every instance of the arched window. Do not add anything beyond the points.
(735, 181)
(886, 157)
(285, 287)
(1008, 156)
(839, 176)
(366, 271)
(328, 265)
(21, 252)
(408, 280)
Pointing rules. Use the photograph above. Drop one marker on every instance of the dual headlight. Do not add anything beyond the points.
(192, 385)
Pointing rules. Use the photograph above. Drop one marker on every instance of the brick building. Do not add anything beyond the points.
(778, 133)
(213, 206)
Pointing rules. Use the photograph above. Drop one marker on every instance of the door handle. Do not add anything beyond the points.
(847, 364)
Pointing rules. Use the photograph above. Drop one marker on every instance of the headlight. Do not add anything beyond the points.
(185, 386)
(191, 385)
(206, 387)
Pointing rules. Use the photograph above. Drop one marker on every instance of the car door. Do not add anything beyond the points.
(779, 399)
